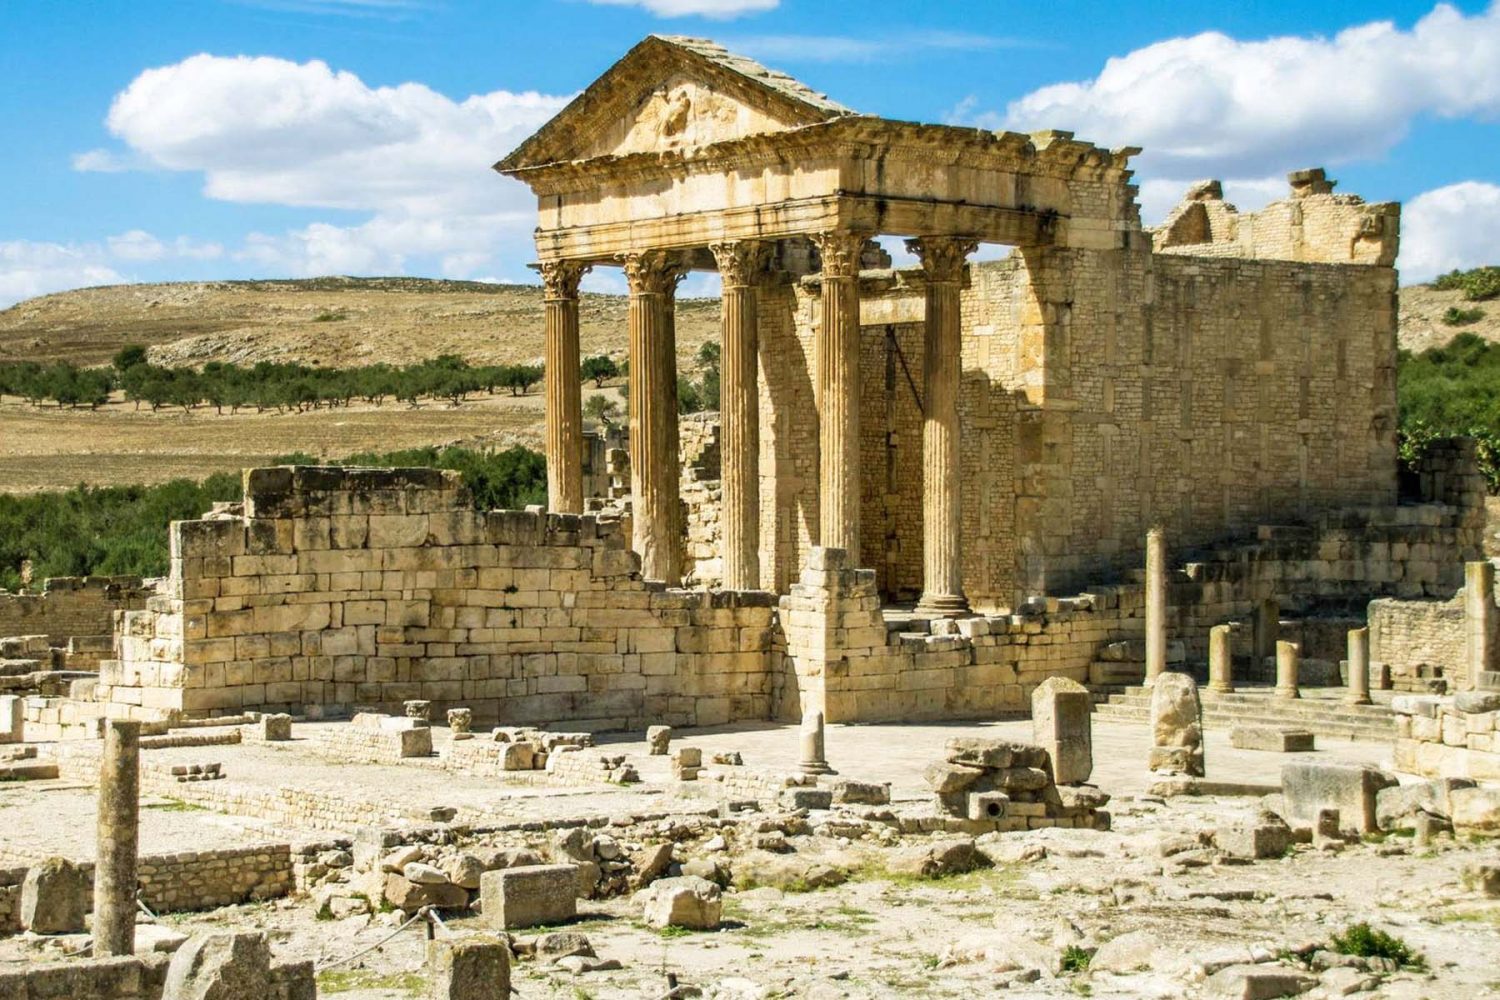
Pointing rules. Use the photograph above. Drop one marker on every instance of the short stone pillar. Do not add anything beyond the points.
(1176, 726)
(117, 839)
(1288, 658)
(1061, 723)
(659, 740)
(1479, 623)
(1358, 692)
(813, 759)
(1220, 660)
(469, 967)
(1156, 604)
(1267, 631)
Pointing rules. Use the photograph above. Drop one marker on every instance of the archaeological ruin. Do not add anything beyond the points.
(1050, 593)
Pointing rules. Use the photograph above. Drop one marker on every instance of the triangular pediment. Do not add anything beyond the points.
(672, 93)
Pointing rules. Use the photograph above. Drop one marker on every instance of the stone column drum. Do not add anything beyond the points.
(655, 496)
(1359, 667)
(117, 839)
(741, 265)
(838, 394)
(562, 382)
(942, 579)
(814, 760)
(1156, 604)
(1220, 660)
(1479, 622)
(1288, 658)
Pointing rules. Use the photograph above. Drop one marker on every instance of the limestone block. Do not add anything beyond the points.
(469, 967)
(1270, 738)
(220, 967)
(54, 897)
(1176, 725)
(1266, 837)
(659, 739)
(12, 713)
(1307, 788)
(1061, 723)
(409, 896)
(1259, 982)
(687, 901)
(1475, 809)
(1396, 807)
(530, 895)
(988, 805)
(274, 728)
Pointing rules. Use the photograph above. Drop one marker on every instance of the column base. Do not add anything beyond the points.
(1221, 688)
(1365, 700)
(1286, 693)
(815, 767)
(943, 606)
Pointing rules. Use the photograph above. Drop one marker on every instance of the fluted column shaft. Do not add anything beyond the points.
(942, 577)
(117, 839)
(741, 265)
(656, 501)
(838, 394)
(564, 396)
(1156, 604)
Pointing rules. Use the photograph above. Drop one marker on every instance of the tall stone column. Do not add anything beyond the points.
(838, 394)
(1479, 622)
(942, 570)
(1156, 604)
(117, 839)
(564, 394)
(1359, 667)
(1220, 660)
(741, 266)
(656, 499)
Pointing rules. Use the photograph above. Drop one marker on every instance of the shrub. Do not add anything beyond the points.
(129, 356)
(1478, 284)
(1076, 959)
(1367, 942)
(1455, 316)
(1451, 391)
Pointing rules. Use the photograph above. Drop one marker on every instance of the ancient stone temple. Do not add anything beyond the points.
(973, 433)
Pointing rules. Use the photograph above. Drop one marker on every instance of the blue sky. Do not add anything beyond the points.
(158, 140)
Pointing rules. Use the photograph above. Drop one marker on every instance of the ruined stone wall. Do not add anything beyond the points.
(343, 588)
(1418, 641)
(1446, 738)
(70, 605)
(892, 370)
(788, 433)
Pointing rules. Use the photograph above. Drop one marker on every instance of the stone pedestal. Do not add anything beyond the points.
(1479, 622)
(117, 838)
(1288, 658)
(656, 513)
(1061, 724)
(1220, 660)
(564, 444)
(838, 380)
(942, 580)
(1156, 604)
(741, 266)
(1359, 667)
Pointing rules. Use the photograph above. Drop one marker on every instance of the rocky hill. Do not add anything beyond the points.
(347, 321)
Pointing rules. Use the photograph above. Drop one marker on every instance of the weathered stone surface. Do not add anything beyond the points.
(1273, 739)
(469, 967)
(409, 896)
(422, 873)
(465, 870)
(1268, 836)
(1307, 788)
(1396, 807)
(686, 901)
(864, 793)
(1259, 982)
(1176, 725)
(944, 857)
(947, 778)
(1482, 877)
(1126, 953)
(530, 896)
(220, 967)
(561, 944)
(981, 753)
(1062, 724)
(54, 897)
(1475, 809)
(659, 740)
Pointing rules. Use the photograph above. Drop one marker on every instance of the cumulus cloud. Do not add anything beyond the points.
(271, 131)
(99, 161)
(1449, 227)
(28, 268)
(719, 9)
(1215, 104)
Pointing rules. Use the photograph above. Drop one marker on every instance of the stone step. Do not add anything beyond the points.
(1237, 702)
(1330, 724)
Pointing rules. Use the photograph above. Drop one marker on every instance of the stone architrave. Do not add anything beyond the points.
(1358, 692)
(1176, 726)
(943, 263)
(1156, 604)
(1288, 661)
(656, 514)
(838, 382)
(118, 837)
(563, 385)
(742, 264)
(1480, 643)
(1061, 723)
(1220, 660)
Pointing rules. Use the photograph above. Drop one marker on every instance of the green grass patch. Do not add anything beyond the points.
(1075, 959)
(348, 980)
(1454, 316)
(1369, 942)
(329, 317)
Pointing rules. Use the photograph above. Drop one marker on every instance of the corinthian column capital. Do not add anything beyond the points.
(560, 278)
(840, 253)
(943, 257)
(653, 272)
(741, 262)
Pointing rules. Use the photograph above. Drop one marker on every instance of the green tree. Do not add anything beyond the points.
(599, 369)
(129, 356)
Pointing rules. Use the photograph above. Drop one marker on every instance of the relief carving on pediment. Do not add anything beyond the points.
(684, 113)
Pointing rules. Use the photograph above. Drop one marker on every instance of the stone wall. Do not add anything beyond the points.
(1452, 737)
(203, 880)
(345, 587)
(1418, 641)
(71, 605)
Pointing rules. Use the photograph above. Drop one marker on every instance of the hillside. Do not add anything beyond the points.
(1421, 317)
(331, 321)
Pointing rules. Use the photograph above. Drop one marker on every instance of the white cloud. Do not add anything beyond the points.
(844, 48)
(718, 9)
(99, 161)
(28, 269)
(136, 245)
(1450, 227)
(1158, 195)
(1214, 104)
(271, 131)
